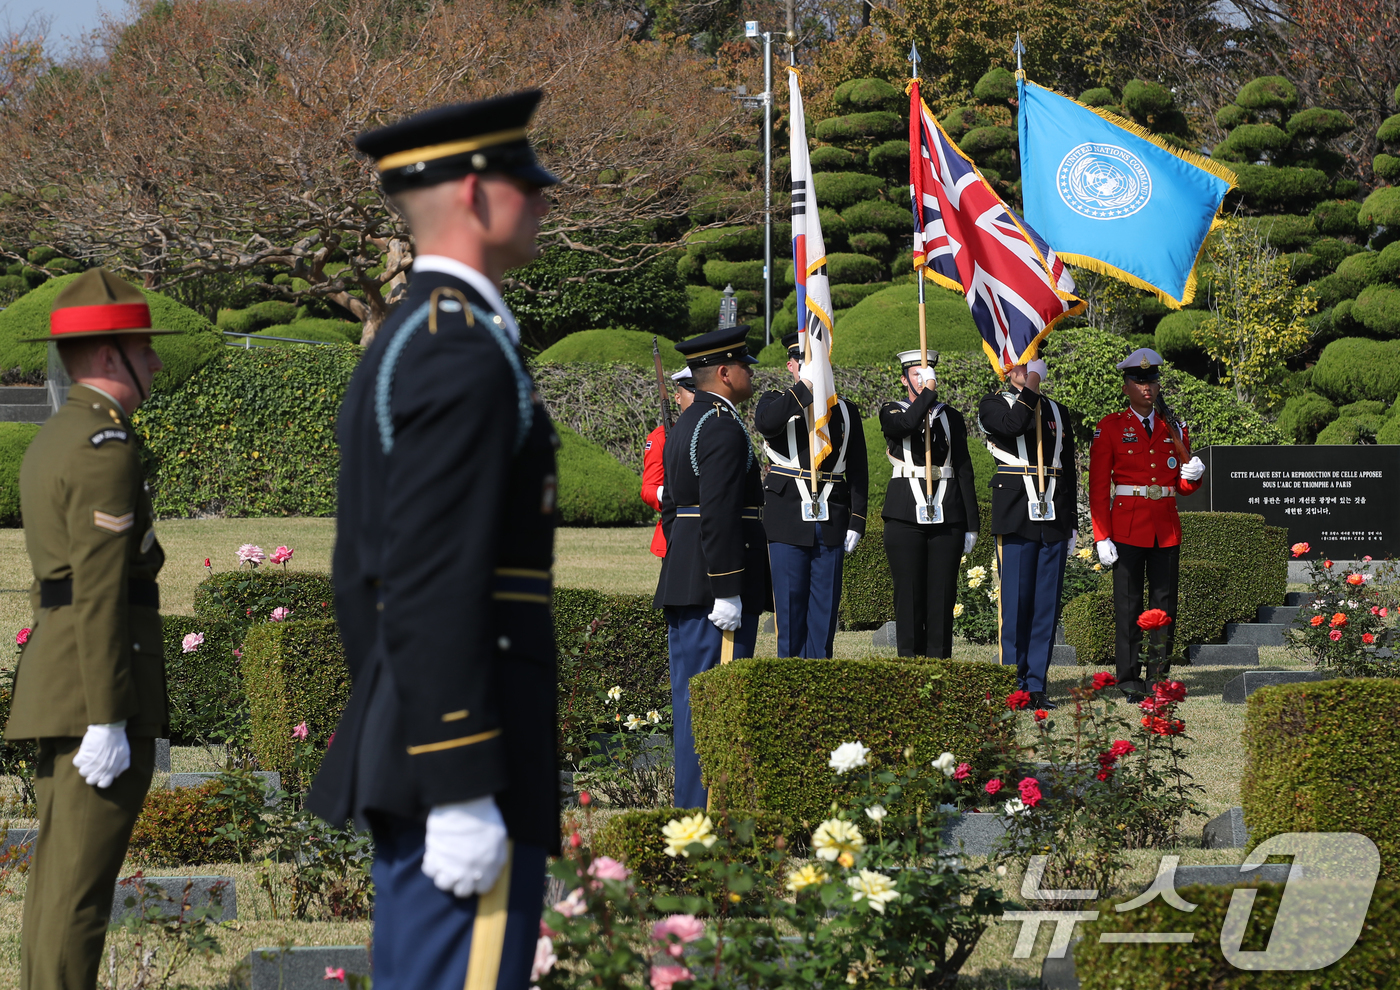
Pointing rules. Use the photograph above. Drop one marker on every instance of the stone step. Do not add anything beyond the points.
(1255, 634)
(169, 895)
(1281, 614)
(1239, 689)
(11, 413)
(24, 395)
(1226, 831)
(304, 967)
(1223, 655)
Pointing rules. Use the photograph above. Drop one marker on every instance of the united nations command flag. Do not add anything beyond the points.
(1108, 197)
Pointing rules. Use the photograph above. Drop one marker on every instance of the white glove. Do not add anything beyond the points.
(969, 541)
(806, 373)
(1108, 553)
(464, 847)
(852, 538)
(104, 754)
(727, 614)
(1193, 469)
(659, 490)
(924, 377)
(1073, 539)
(1038, 366)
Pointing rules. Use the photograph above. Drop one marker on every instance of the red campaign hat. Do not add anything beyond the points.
(98, 304)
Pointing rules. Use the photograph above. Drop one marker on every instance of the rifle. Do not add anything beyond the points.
(661, 386)
(1174, 428)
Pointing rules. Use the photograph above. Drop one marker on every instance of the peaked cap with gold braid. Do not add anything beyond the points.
(98, 304)
(453, 141)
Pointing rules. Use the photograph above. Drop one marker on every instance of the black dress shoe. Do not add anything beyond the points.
(1038, 700)
(1133, 698)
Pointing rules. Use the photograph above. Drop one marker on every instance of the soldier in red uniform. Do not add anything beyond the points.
(653, 475)
(1135, 474)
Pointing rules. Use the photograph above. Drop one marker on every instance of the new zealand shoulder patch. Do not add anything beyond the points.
(110, 433)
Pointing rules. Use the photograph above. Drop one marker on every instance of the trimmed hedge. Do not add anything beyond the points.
(841, 190)
(179, 827)
(857, 128)
(764, 727)
(14, 441)
(251, 595)
(1370, 965)
(205, 687)
(1378, 309)
(740, 274)
(1355, 368)
(614, 347)
(868, 94)
(1304, 415)
(887, 322)
(594, 489)
(327, 331)
(1089, 628)
(627, 647)
(1380, 209)
(634, 839)
(1176, 334)
(1323, 757)
(877, 215)
(270, 313)
(1250, 551)
(251, 433)
(293, 672)
(847, 268)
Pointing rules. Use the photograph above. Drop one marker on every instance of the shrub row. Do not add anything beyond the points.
(180, 827)
(1323, 757)
(764, 728)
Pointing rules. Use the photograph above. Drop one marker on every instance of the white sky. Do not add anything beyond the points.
(70, 19)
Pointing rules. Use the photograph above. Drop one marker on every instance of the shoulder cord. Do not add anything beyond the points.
(384, 380)
(695, 439)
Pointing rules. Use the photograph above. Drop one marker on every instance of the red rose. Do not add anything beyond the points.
(992, 786)
(1367, 638)
(1339, 619)
(1018, 699)
(1153, 618)
(1041, 714)
(1152, 704)
(1375, 610)
(1299, 549)
(1327, 564)
(1121, 748)
(1030, 792)
(1163, 727)
(1170, 691)
(1384, 612)
(1104, 679)
(1317, 620)
(22, 636)
(206, 562)
(962, 771)
(1356, 579)
(1335, 635)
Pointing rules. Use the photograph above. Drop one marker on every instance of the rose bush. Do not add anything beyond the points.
(1345, 623)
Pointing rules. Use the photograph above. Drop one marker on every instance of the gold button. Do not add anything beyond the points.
(1153, 464)
(1154, 477)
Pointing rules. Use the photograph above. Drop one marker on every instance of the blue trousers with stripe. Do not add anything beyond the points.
(695, 644)
(428, 939)
(1031, 576)
(807, 595)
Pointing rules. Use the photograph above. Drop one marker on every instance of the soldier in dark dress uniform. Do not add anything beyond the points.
(1034, 528)
(805, 556)
(714, 581)
(924, 555)
(444, 544)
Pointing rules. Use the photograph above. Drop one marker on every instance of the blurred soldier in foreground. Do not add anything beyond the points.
(1034, 517)
(444, 543)
(91, 683)
(1138, 464)
(924, 556)
(714, 579)
(806, 556)
(653, 470)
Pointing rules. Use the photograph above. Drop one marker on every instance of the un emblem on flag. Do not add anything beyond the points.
(1103, 182)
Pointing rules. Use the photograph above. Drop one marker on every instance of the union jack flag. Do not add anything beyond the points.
(968, 240)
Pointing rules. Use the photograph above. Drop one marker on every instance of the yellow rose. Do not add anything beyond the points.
(805, 877)
(680, 834)
(834, 837)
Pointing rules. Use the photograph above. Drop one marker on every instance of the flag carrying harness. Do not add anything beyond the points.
(906, 468)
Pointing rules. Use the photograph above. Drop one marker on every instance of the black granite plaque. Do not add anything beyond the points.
(1342, 501)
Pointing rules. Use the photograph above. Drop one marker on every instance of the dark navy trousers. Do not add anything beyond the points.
(806, 595)
(695, 644)
(428, 939)
(1029, 606)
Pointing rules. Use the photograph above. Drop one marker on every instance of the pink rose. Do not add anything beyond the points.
(238, 654)
(992, 786)
(685, 927)
(335, 974)
(22, 636)
(544, 958)
(281, 555)
(1030, 792)
(192, 642)
(1335, 635)
(279, 614)
(607, 868)
(573, 905)
(663, 977)
(300, 732)
(962, 771)
(248, 553)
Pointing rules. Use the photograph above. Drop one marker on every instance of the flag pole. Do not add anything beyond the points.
(807, 339)
(923, 339)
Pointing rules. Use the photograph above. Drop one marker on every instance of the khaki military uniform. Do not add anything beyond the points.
(94, 657)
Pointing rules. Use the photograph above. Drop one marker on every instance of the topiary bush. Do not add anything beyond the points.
(1355, 368)
(829, 159)
(1322, 757)
(272, 312)
(1250, 551)
(887, 322)
(764, 728)
(14, 441)
(1304, 416)
(877, 215)
(868, 95)
(179, 827)
(634, 838)
(841, 190)
(1175, 336)
(312, 329)
(594, 489)
(204, 685)
(1350, 430)
(293, 672)
(615, 347)
(1380, 209)
(1378, 309)
(1369, 965)
(247, 596)
(852, 268)
(860, 128)
(740, 274)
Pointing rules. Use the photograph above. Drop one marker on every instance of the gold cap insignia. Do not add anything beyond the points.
(1144, 362)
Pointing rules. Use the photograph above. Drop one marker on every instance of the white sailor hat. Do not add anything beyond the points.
(912, 359)
(685, 378)
(1143, 365)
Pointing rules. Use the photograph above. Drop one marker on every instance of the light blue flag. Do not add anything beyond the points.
(1108, 197)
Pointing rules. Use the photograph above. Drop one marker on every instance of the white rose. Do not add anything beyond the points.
(848, 756)
(946, 762)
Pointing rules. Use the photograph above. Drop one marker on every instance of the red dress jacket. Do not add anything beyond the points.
(1122, 454)
(653, 477)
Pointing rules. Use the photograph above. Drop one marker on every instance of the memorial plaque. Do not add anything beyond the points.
(1341, 501)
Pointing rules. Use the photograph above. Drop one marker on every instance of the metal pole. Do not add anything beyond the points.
(923, 336)
(767, 188)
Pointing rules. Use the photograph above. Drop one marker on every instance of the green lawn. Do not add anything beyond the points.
(614, 560)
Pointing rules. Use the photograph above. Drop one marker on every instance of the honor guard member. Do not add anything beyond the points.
(91, 681)
(444, 542)
(1034, 524)
(926, 536)
(806, 554)
(653, 471)
(1135, 473)
(714, 579)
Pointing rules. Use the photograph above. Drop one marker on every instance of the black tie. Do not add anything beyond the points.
(1147, 424)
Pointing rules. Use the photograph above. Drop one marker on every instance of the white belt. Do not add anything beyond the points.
(902, 470)
(1153, 492)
